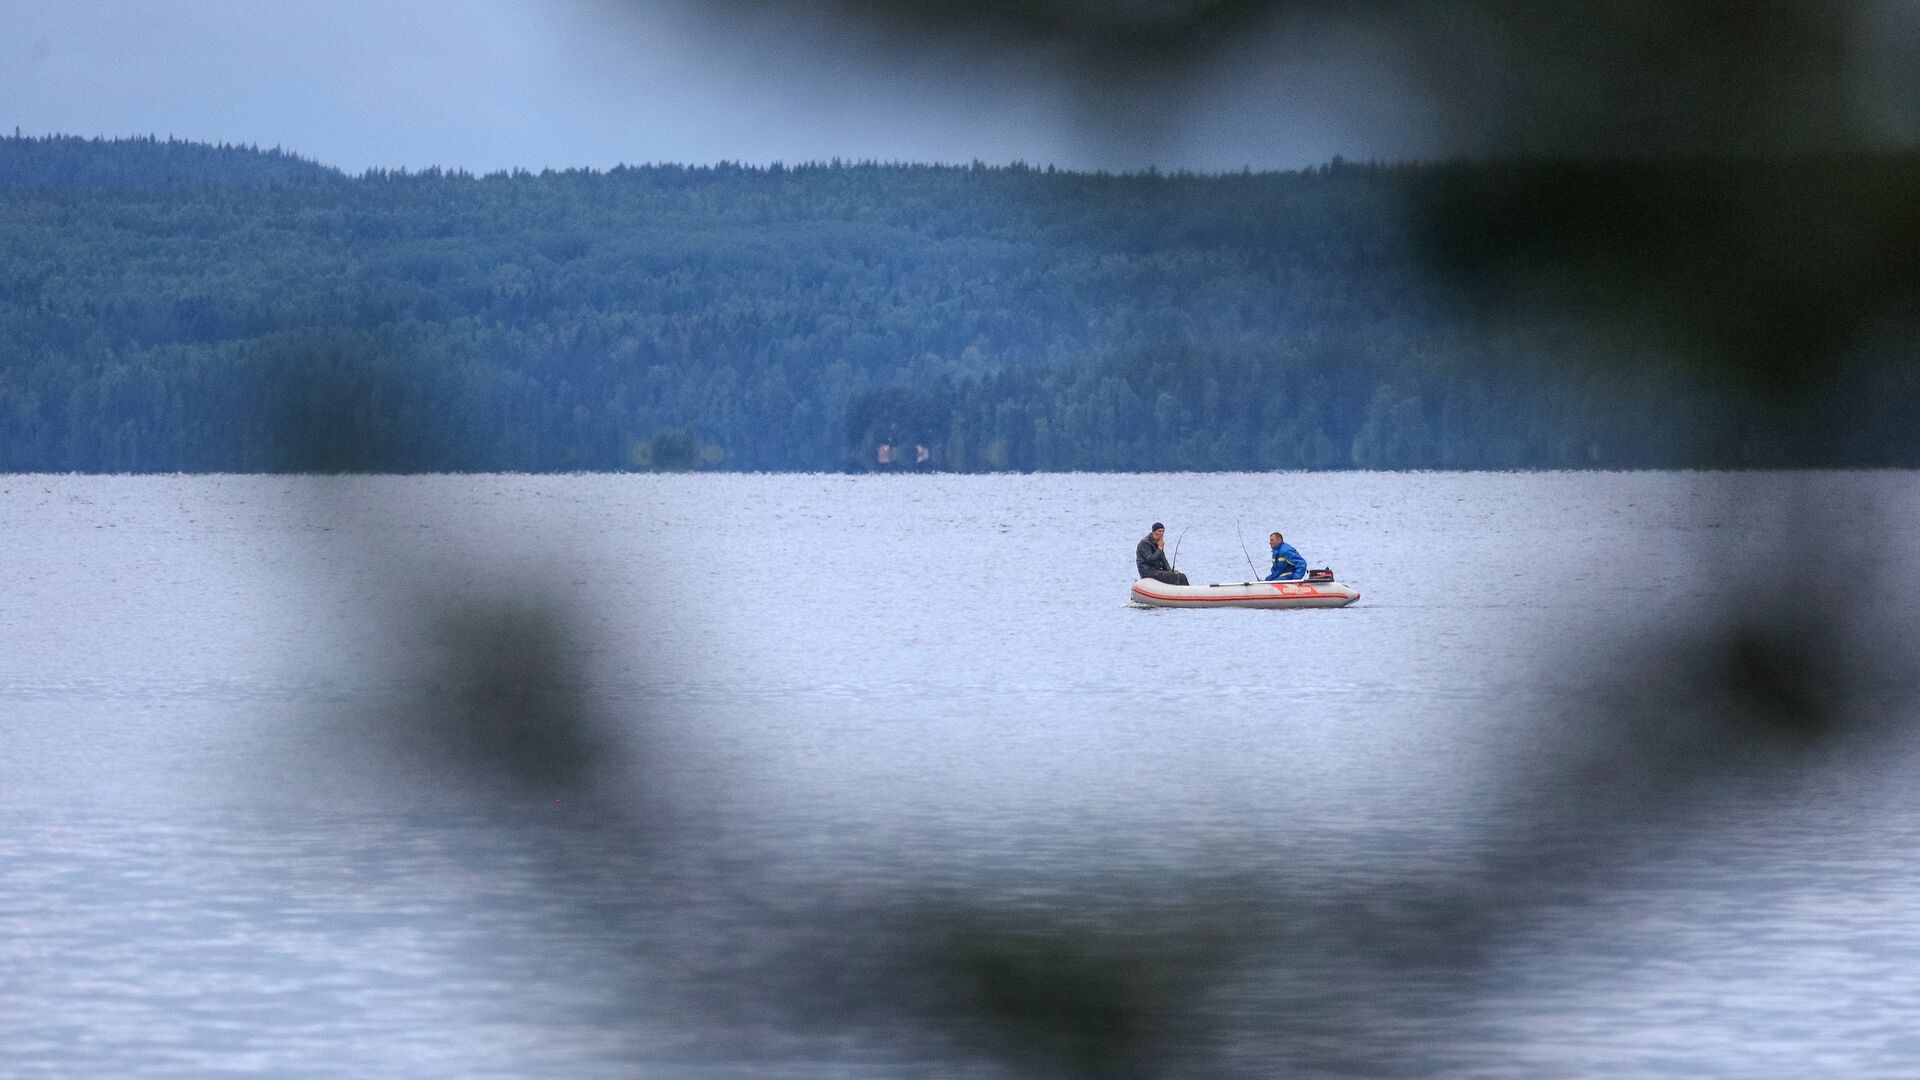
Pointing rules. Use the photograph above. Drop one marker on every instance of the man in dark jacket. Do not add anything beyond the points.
(1287, 563)
(1150, 558)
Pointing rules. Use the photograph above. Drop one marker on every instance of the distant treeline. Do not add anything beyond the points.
(176, 306)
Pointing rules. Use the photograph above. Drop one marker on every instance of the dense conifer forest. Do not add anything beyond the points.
(171, 306)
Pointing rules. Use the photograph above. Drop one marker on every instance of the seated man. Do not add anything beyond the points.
(1288, 565)
(1150, 558)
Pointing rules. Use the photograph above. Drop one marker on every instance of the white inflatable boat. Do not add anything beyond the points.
(1258, 594)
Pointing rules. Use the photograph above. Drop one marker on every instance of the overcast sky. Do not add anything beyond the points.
(491, 84)
(494, 84)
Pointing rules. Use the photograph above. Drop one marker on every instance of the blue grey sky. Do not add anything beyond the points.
(493, 84)
(497, 84)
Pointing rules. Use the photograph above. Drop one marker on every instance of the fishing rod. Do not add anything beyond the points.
(1174, 562)
(1238, 535)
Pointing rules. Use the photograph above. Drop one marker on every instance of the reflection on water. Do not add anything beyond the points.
(891, 781)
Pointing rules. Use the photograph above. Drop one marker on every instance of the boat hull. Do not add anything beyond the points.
(1249, 594)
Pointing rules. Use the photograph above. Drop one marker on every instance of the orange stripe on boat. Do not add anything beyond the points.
(1315, 595)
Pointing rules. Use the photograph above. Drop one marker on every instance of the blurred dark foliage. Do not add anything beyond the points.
(1769, 278)
(507, 703)
(1116, 999)
(498, 702)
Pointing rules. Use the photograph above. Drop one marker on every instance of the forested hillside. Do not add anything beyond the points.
(172, 306)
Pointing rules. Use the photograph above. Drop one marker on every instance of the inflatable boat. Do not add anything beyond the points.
(1257, 594)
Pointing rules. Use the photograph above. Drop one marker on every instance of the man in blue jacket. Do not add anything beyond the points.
(1288, 565)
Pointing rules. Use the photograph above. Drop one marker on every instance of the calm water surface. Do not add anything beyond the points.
(840, 716)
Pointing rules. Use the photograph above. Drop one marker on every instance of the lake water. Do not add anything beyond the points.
(768, 776)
